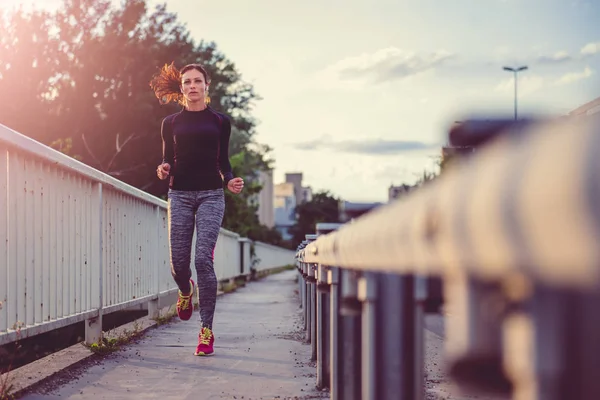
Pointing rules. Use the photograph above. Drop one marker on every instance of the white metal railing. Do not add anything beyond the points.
(246, 256)
(227, 255)
(76, 244)
(268, 256)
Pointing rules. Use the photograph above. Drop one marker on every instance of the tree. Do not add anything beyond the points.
(77, 80)
(241, 216)
(83, 71)
(28, 62)
(323, 207)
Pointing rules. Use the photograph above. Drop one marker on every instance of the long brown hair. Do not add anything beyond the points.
(166, 84)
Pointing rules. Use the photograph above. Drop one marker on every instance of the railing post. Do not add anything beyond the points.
(93, 326)
(302, 290)
(241, 246)
(428, 299)
(313, 310)
(367, 294)
(153, 305)
(395, 352)
(323, 325)
(4, 238)
(349, 334)
(301, 286)
(551, 347)
(474, 333)
(334, 359)
(298, 274)
(309, 310)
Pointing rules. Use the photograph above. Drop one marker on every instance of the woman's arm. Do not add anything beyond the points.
(166, 133)
(224, 164)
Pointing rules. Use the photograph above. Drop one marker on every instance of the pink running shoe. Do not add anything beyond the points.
(206, 340)
(185, 305)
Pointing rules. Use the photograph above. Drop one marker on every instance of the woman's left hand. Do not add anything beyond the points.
(235, 185)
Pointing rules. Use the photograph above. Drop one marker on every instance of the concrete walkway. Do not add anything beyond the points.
(259, 355)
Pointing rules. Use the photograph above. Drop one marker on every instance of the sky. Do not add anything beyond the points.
(359, 94)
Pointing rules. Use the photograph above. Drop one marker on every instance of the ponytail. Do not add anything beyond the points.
(166, 85)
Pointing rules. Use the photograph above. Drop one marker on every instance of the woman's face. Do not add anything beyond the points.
(193, 86)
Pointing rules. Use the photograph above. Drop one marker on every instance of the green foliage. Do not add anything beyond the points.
(111, 343)
(65, 146)
(241, 216)
(323, 207)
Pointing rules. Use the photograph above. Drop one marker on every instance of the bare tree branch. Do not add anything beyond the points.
(119, 147)
(87, 147)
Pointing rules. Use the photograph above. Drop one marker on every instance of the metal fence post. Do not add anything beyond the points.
(308, 310)
(552, 349)
(324, 343)
(349, 334)
(299, 275)
(367, 294)
(153, 305)
(395, 337)
(428, 299)
(301, 285)
(313, 310)
(323, 326)
(334, 359)
(309, 298)
(93, 326)
(474, 334)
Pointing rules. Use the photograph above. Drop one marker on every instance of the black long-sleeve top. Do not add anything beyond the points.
(196, 145)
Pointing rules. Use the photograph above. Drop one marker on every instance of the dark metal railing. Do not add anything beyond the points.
(507, 239)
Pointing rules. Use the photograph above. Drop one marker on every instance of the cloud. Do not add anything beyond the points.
(527, 85)
(367, 146)
(590, 49)
(387, 65)
(562, 57)
(556, 58)
(574, 76)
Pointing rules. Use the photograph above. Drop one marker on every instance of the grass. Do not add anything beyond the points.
(6, 379)
(6, 387)
(168, 316)
(273, 271)
(113, 342)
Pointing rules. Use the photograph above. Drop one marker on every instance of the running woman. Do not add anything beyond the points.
(196, 161)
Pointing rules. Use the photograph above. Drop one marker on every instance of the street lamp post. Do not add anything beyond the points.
(515, 71)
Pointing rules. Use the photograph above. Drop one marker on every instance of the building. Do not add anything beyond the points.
(266, 199)
(303, 194)
(287, 196)
(285, 208)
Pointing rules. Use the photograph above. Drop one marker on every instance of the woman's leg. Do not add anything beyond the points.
(208, 224)
(181, 211)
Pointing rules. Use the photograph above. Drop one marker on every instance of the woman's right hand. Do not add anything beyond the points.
(163, 170)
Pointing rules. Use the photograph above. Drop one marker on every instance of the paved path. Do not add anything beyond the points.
(259, 355)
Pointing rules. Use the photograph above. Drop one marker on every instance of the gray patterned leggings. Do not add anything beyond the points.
(203, 210)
